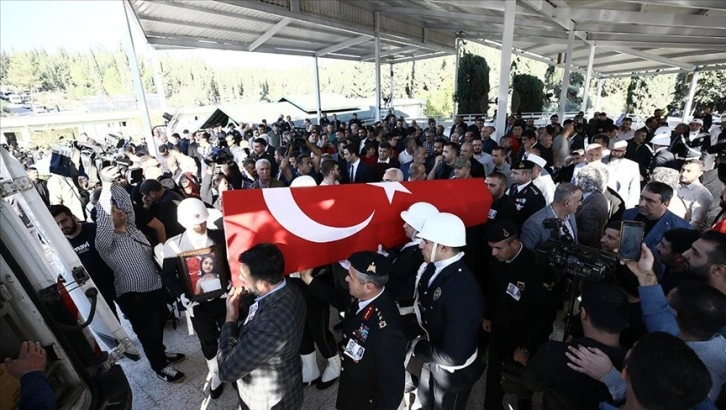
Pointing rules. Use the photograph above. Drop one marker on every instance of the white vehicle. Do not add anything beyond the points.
(47, 295)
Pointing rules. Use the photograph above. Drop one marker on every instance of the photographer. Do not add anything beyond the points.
(695, 314)
(566, 201)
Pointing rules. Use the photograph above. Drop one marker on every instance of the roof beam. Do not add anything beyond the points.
(649, 56)
(271, 32)
(422, 57)
(700, 4)
(650, 30)
(331, 23)
(406, 11)
(532, 56)
(633, 17)
(343, 44)
(400, 50)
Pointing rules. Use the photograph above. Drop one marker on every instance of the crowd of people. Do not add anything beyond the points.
(423, 322)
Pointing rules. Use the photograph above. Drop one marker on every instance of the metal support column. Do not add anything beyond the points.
(598, 94)
(566, 77)
(507, 37)
(159, 80)
(588, 76)
(138, 84)
(390, 101)
(377, 111)
(317, 89)
(691, 94)
(457, 45)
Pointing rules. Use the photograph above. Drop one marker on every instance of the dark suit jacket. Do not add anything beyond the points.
(263, 354)
(591, 217)
(363, 173)
(452, 326)
(668, 221)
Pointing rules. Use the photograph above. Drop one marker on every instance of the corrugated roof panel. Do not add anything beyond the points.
(338, 11)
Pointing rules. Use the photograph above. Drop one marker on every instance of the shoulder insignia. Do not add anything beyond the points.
(368, 313)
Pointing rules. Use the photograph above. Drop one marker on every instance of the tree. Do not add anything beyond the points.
(23, 71)
(710, 90)
(647, 93)
(530, 90)
(472, 95)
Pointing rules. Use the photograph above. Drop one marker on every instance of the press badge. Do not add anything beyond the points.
(354, 350)
(514, 292)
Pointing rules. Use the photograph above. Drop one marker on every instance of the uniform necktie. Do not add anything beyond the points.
(423, 284)
(350, 172)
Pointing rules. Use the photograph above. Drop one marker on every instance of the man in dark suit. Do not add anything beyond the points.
(374, 346)
(358, 171)
(447, 290)
(262, 353)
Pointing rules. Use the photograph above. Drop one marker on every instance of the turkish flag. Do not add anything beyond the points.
(314, 226)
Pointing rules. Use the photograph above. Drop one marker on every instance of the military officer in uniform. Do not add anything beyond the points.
(526, 196)
(515, 316)
(373, 344)
(449, 308)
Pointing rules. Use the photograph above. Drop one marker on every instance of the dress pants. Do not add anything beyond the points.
(433, 397)
(147, 313)
(207, 321)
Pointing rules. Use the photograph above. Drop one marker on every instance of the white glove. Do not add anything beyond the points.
(188, 304)
(380, 251)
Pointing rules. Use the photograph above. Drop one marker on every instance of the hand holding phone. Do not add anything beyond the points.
(631, 237)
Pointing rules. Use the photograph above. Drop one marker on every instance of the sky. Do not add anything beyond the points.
(78, 25)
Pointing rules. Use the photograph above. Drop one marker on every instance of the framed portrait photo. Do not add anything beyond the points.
(204, 273)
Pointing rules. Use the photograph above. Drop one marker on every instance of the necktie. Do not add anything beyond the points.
(423, 284)
(350, 172)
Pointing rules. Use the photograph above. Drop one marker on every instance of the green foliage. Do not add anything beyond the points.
(645, 94)
(710, 90)
(530, 90)
(472, 84)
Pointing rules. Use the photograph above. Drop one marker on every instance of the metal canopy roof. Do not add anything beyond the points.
(631, 36)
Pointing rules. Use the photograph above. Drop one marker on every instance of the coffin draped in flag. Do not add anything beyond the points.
(314, 226)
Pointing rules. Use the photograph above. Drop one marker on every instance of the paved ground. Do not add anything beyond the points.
(151, 393)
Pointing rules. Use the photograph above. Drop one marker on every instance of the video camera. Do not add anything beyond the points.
(571, 259)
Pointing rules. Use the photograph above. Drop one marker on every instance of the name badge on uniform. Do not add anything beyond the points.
(514, 292)
(354, 350)
(492, 213)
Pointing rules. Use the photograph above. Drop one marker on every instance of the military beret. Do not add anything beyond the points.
(501, 230)
(525, 164)
(370, 263)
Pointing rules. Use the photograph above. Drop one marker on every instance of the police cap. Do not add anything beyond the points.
(501, 230)
(525, 164)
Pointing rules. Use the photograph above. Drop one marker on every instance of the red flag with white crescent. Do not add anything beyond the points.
(314, 226)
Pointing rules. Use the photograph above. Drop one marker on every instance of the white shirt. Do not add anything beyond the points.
(697, 199)
(405, 157)
(355, 169)
(440, 265)
(625, 180)
(363, 303)
(547, 186)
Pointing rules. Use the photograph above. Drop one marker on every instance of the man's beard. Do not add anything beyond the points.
(701, 272)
